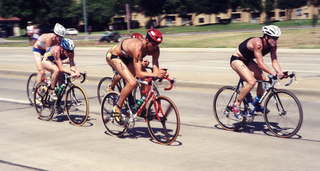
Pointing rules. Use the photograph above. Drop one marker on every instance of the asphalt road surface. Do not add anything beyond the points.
(31, 144)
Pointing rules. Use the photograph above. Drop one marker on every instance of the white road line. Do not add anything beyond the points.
(14, 100)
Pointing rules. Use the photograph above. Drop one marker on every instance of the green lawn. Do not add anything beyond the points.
(291, 38)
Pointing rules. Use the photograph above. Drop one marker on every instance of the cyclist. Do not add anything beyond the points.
(248, 63)
(145, 64)
(126, 58)
(53, 60)
(43, 43)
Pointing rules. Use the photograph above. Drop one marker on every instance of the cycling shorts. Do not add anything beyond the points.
(41, 51)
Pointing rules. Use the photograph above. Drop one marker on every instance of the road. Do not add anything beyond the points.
(30, 144)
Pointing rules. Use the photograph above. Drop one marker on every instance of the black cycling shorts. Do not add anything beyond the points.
(233, 58)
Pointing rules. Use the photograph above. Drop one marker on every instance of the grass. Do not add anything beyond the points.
(220, 27)
(215, 36)
(291, 38)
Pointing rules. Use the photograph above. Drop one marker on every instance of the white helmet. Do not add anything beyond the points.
(67, 44)
(271, 30)
(59, 30)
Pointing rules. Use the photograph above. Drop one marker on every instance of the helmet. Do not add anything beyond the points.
(59, 30)
(154, 35)
(137, 35)
(271, 30)
(67, 44)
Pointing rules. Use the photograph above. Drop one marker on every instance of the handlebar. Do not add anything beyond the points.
(83, 75)
(148, 81)
(286, 74)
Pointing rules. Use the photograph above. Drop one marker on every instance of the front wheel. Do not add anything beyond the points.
(163, 120)
(222, 102)
(283, 113)
(31, 86)
(114, 126)
(77, 105)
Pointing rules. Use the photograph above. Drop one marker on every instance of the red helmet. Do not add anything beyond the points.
(137, 35)
(154, 35)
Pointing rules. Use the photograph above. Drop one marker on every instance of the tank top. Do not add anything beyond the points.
(249, 54)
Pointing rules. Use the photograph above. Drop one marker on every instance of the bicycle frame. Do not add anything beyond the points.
(269, 90)
(151, 95)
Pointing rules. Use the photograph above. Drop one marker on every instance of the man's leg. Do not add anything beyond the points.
(41, 72)
(246, 74)
(48, 65)
(125, 73)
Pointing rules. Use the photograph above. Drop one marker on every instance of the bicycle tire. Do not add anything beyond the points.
(160, 131)
(42, 102)
(221, 109)
(31, 85)
(102, 90)
(281, 98)
(110, 123)
(77, 102)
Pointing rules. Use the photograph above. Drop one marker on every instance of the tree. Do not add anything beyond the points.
(39, 11)
(100, 12)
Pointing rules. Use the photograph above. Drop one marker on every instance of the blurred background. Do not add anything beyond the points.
(113, 19)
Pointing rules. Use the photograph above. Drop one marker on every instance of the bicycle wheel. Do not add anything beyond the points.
(103, 86)
(222, 101)
(31, 85)
(112, 125)
(285, 115)
(42, 103)
(77, 105)
(163, 120)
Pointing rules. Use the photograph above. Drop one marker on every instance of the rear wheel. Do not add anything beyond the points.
(77, 105)
(104, 85)
(285, 115)
(113, 125)
(222, 102)
(163, 120)
(31, 86)
(42, 103)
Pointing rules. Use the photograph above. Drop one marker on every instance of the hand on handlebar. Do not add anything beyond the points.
(75, 74)
(162, 74)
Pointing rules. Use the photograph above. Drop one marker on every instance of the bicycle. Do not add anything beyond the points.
(160, 113)
(75, 100)
(282, 112)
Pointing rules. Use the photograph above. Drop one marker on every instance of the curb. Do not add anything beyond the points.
(183, 83)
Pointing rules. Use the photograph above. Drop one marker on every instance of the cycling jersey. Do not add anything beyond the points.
(249, 54)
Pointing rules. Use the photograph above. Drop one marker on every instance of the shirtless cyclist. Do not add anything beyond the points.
(43, 43)
(126, 58)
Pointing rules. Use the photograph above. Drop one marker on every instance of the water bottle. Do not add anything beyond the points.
(60, 89)
(140, 101)
(138, 104)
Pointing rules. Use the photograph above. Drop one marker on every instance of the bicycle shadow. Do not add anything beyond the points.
(64, 118)
(143, 132)
(255, 128)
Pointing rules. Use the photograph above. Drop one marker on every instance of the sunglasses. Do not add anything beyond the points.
(274, 38)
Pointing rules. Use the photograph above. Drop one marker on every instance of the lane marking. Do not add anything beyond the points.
(20, 165)
(14, 101)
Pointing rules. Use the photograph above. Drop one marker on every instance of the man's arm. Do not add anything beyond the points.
(257, 49)
(275, 64)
